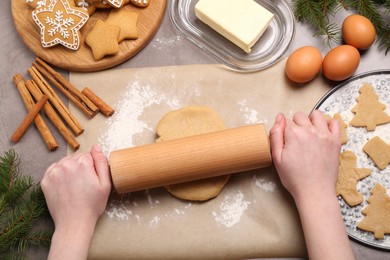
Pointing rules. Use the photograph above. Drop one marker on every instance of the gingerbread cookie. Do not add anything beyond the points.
(115, 3)
(140, 3)
(369, 111)
(35, 3)
(87, 6)
(60, 23)
(101, 4)
(348, 177)
(120, 3)
(377, 213)
(126, 20)
(103, 39)
(379, 152)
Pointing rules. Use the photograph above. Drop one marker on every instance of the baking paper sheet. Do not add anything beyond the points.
(252, 217)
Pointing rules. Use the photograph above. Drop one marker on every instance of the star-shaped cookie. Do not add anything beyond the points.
(125, 19)
(103, 39)
(60, 23)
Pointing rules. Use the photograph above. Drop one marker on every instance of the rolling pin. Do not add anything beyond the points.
(190, 158)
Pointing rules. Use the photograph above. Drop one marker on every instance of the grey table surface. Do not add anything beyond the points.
(167, 48)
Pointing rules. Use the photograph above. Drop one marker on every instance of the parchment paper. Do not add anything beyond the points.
(252, 217)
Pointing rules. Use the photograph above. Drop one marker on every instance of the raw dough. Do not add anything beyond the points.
(379, 152)
(348, 177)
(187, 121)
(369, 111)
(343, 127)
(376, 214)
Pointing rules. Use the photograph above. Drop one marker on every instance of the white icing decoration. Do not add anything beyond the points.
(116, 3)
(60, 25)
(83, 4)
(140, 2)
(41, 3)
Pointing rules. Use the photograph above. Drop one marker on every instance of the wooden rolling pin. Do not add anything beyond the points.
(190, 158)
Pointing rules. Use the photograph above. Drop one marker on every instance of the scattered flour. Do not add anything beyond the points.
(251, 115)
(126, 123)
(162, 43)
(119, 209)
(152, 202)
(231, 209)
(154, 222)
(126, 207)
(267, 186)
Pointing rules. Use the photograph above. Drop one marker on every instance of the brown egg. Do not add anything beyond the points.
(341, 62)
(303, 64)
(358, 31)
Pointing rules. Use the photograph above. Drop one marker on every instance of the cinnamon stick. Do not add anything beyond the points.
(47, 136)
(103, 107)
(19, 132)
(79, 99)
(53, 116)
(56, 101)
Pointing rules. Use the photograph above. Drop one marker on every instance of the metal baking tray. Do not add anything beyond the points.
(342, 99)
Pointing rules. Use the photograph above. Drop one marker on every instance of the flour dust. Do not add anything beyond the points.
(231, 209)
(126, 122)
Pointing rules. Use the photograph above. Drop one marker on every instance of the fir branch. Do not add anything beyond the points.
(384, 39)
(21, 204)
(9, 164)
(316, 13)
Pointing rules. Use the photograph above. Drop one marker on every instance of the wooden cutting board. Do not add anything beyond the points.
(82, 60)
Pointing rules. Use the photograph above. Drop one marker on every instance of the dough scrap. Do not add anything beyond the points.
(187, 121)
(377, 213)
(348, 177)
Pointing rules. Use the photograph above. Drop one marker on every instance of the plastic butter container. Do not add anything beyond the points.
(242, 22)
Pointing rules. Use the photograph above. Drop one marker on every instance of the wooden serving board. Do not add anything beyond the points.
(82, 60)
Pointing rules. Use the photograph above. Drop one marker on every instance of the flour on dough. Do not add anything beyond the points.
(187, 121)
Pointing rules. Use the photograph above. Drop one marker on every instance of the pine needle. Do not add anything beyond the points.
(316, 13)
(21, 204)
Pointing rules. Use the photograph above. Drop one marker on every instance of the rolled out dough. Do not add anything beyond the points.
(187, 121)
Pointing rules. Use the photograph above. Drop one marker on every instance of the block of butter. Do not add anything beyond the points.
(240, 21)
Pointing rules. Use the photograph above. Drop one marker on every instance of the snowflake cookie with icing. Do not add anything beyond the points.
(60, 23)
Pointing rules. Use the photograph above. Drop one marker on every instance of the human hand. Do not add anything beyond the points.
(76, 190)
(305, 151)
